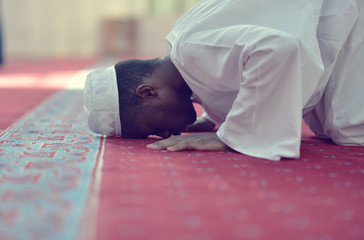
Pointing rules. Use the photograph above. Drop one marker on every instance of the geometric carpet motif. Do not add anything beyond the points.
(47, 159)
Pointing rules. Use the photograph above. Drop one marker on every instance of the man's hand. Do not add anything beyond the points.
(197, 141)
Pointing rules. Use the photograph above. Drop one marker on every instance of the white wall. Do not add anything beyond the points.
(44, 28)
(73, 28)
(151, 34)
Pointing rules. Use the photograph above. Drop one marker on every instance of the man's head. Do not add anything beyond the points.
(153, 98)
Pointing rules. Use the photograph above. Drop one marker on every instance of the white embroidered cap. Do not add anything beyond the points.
(101, 102)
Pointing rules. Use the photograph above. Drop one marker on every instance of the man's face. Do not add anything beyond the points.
(170, 115)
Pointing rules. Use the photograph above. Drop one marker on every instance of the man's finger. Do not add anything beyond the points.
(179, 146)
(156, 146)
(198, 141)
(162, 144)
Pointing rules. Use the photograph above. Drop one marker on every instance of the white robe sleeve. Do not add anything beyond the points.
(258, 83)
(266, 116)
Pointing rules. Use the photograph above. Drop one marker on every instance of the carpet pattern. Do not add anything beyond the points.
(223, 195)
(60, 181)
(47, 159)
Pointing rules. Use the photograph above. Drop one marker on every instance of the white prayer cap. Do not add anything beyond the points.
(101, 102)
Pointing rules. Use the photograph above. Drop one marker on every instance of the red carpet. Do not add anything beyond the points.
(59, 181)
(15, 102)
(207, 195)
(25, 84)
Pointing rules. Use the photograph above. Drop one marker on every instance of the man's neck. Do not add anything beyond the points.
(172, 75)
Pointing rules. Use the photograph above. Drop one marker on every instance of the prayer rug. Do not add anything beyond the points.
(60, 181)
(199, 195)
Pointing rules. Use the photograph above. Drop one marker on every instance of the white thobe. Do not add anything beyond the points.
(257, 65)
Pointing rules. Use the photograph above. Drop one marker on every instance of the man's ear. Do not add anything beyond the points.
(145, 91)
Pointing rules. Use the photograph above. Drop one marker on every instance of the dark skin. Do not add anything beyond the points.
(201, 125)
(167, 111)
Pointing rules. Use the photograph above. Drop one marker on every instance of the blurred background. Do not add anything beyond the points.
(78, 29)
